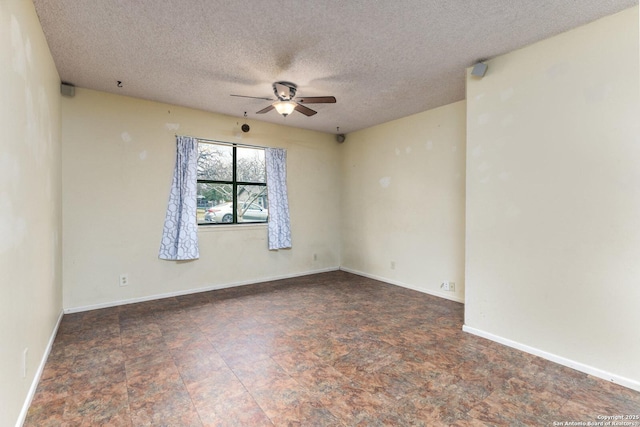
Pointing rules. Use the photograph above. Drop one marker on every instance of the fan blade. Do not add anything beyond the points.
(252, 97)
(304, 110)
(317, 99)
(266, 110)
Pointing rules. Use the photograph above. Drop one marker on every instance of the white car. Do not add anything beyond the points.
(223, 213)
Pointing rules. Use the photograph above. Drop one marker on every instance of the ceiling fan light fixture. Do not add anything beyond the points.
(284, 107)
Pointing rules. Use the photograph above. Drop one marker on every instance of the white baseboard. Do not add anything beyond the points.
(617, 379)
(38, 375)
(192, 291)
(404, 285)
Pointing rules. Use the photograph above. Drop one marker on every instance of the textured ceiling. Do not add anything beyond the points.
(382, 60)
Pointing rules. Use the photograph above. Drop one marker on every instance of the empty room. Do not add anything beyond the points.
(319, 213)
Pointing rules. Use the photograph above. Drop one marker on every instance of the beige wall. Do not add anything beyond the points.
(118, 158)
(553, 198)
(403, 201)
(30, 213)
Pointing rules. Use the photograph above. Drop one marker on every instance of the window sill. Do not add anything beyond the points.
(224, 227)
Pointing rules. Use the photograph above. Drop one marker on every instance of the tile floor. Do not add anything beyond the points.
(331, 349)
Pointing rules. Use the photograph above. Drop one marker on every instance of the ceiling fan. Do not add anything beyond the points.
(285, 104)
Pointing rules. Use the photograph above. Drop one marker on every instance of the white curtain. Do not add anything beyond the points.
(180, 234)
(279, 226)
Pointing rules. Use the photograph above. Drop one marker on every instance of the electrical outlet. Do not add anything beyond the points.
(448, 286)
(124, 280)
(315, 257)
(393, 265)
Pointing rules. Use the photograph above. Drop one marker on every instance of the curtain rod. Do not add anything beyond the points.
(224, 142)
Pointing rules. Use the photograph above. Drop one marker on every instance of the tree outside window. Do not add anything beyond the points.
(232, 187)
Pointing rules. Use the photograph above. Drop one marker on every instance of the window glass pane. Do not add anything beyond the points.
(215, 200)
(215, 162)
(251, 166)
(252, 203)
(214, 203)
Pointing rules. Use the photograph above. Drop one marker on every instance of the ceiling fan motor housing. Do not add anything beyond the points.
(284, 91)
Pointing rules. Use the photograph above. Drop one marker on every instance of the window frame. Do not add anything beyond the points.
(234, 183)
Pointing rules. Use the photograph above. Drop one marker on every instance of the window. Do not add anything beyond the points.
(232, 186)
